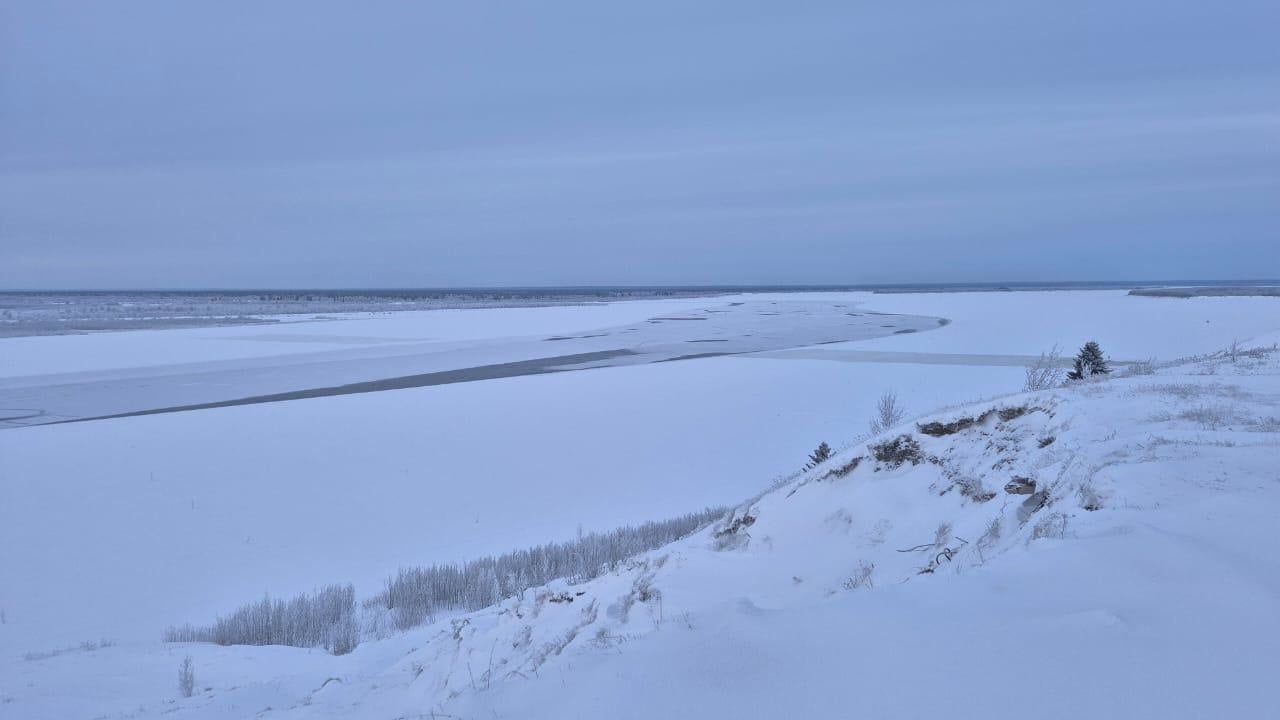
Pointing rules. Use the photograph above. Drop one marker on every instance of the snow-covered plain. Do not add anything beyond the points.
(119, 528)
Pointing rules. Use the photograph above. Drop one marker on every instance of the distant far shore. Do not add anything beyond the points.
(1225, 291)
(66, 312)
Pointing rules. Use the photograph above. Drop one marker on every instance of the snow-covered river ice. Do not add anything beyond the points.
(721, 327)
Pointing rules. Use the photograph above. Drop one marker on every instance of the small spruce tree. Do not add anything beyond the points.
(1088, 362)
(819, 456)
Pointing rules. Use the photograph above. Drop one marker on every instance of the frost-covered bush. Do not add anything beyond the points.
(974, 489)
(1090, 498)
(1210, 417)
(187, 677)
(1140, 367)
(888, 413)
(942, 535)
(731, 534)
(642, 591)
(1189, 390)
(991, 534)
(1046, 373)
(1182, 391)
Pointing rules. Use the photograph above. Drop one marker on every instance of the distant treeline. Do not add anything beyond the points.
(325, 618)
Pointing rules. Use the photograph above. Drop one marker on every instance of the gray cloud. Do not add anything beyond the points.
(413, 144)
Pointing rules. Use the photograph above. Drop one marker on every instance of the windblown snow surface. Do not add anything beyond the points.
(1137, 578)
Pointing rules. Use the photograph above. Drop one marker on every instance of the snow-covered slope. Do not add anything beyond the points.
(1101, 550)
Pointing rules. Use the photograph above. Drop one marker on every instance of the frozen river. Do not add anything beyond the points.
(683, 332)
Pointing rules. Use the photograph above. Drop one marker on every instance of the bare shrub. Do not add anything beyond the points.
(862, 577)
(187, 677)
(1053, 525)
(1182, 391)
(888, 413)
(942, 535)
(1270, 423)
(1046, 372)
(1161, 441)
(85, 646)
(642, 591)
(991, 534)
(1209, 417)
(1187, 390)
(34, 655)
(972, 488)
(1141, 367)
(1090, 498)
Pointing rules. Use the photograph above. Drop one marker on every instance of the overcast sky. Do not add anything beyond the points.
(432, 143)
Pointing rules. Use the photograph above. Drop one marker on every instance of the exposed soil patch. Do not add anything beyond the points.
(846, 468)
(941, 429)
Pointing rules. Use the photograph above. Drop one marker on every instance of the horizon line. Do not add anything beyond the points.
(1181, 282)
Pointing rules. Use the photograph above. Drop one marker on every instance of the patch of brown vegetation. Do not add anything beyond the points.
(894, 453)
(940, 429)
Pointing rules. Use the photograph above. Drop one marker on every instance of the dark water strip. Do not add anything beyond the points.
(536, 366)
